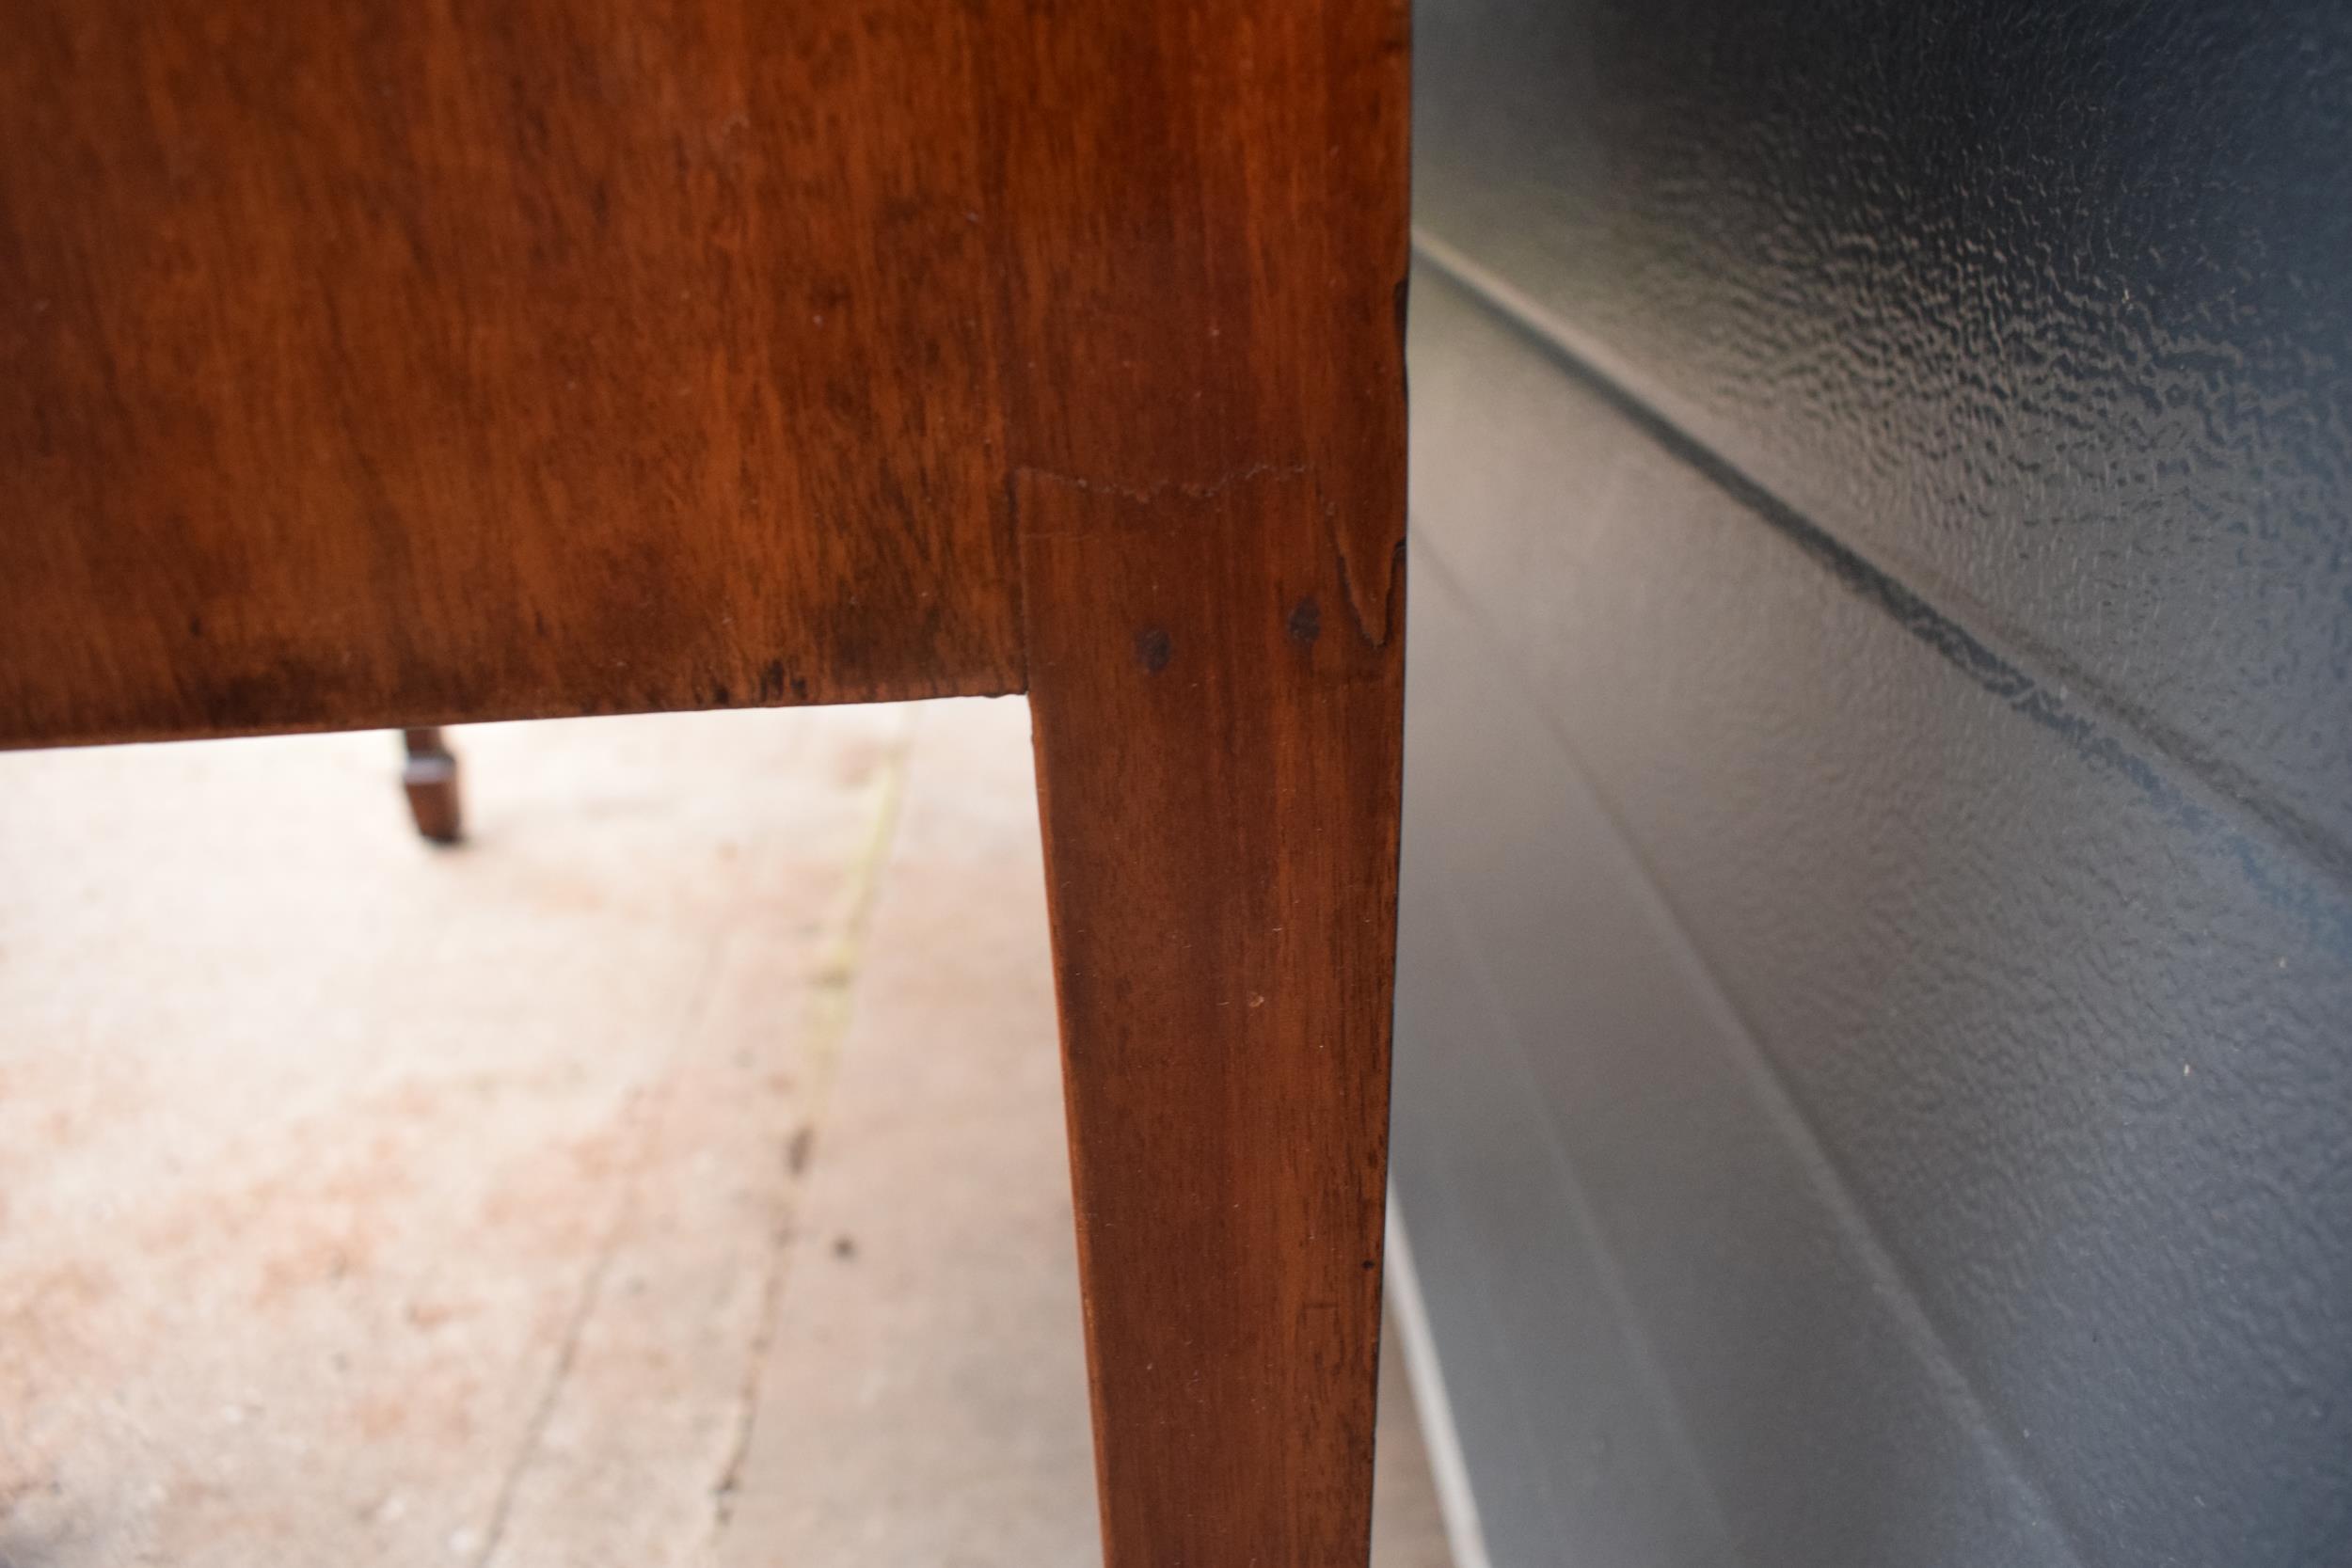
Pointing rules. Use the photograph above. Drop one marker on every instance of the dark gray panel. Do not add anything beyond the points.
(1908, 1110)
(2047, 309)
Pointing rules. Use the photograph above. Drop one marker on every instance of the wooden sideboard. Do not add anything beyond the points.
(375, 364)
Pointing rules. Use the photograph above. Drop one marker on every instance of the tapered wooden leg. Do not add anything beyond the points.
(1217, 701)
(431, 780)
(1201, 216)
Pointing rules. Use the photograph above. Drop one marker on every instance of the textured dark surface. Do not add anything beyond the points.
(2048, 308)
(1875, 1006)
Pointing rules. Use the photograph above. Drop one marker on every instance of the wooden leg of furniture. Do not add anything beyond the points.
(431, 780)
(1217, 726)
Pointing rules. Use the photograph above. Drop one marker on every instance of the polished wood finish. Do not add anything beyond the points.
(1209, 493)
(430, 779)
(379, 363)
(383, 365)
(1216, 738)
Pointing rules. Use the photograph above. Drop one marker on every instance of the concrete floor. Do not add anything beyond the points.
(671, 1176)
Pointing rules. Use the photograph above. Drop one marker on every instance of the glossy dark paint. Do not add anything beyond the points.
(1875, 1006)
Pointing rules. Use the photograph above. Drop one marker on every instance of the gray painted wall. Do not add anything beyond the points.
(1875, 1011)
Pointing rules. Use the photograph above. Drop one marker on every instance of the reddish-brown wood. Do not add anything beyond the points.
(378, 363)
(373, 364)
(1209, 498)
(430, 779)
(1218, 759)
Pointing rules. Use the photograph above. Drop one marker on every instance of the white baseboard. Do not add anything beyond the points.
(1464, 1537)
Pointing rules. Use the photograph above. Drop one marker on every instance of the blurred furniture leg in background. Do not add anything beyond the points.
(430, 778)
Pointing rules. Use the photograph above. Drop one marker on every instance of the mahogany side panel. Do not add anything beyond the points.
(386, 364)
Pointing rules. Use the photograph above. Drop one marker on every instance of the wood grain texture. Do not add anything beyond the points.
(377, 363)
(372, 365)
(1218, 763)
(1210, 508)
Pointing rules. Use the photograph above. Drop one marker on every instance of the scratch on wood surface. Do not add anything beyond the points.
(1147, 495)
(1372, 606)
(1375, 619)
